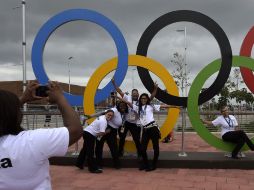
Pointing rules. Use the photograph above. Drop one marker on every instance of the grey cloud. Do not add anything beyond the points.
(90, 45)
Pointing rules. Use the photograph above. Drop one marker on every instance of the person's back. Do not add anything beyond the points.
(24, 154)
(24, 157)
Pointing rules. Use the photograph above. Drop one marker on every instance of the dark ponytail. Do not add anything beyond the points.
(10, 114)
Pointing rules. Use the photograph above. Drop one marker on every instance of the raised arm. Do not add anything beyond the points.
(154, 91)
(29, 94)
(117, 88)
(125, 101)
(70, 117)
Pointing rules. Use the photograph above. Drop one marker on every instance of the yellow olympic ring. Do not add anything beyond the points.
(134, 60)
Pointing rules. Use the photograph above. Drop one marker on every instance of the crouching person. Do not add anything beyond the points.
(95, 130)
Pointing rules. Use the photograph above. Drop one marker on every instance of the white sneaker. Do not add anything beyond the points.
(241, 155)
(228, 154)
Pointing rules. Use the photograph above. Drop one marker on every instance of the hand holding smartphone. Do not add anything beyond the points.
(41, 91)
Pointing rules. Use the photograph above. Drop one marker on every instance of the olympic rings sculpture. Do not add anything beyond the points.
(144, 64)
(134, 60)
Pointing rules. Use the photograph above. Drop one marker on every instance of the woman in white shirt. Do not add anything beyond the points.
(150, 128)
(228, 124)
(111, 137)
(24, 154)
(95, 130)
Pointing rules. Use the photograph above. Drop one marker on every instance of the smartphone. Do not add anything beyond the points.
(41, 91)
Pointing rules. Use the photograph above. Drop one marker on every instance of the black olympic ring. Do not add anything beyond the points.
(213, 28)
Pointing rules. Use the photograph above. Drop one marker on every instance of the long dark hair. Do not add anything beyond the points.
(140, 104)
(10, 114)
(118, 106)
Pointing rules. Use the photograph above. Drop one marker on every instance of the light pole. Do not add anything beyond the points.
(183, 153)
(185, 63)
(24, 43)
(23, 6)
(69, 72)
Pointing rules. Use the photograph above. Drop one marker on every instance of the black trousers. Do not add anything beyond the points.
(88, 150)
(135, 132)
(239, 138)
(111, 139)
(152, 133)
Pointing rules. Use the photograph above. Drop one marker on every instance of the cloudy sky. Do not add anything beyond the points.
(90, 45)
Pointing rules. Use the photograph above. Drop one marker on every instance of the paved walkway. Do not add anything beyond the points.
(70, 178)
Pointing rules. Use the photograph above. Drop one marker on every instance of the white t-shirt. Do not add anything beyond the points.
(132, 115)
(117, 119)
(24, 157)
(99, 125)
(146, 114)
(226, 124)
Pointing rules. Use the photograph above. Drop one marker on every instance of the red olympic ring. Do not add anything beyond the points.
(246, 49)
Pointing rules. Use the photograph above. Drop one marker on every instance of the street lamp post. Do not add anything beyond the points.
(183, 153)
(185, 63)
(23, 6)
(69, 72)
(24, 44)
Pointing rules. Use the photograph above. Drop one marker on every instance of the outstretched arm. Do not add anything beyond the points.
(117, 88)
(86, 117)
(154, 91)
(70, 117)
(207, 122)
(168, 106)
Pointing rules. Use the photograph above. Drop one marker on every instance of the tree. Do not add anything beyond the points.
(237, 79)
(224, 97)
(180, 74)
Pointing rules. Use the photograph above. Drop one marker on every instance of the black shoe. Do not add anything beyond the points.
(153, 168)
(120, 154)
(142, 167)
(79, 166)
(117, 166)
(235, 157)
(96, 171)
(148, 169)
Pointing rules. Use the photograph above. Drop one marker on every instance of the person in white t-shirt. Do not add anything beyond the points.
(228, 124)
(92, 132)
(150, 128)
(132, 122)
(24, 154)
(111, 137)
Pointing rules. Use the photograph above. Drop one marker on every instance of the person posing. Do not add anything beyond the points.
(111, 137)
(150, 128)
(228, 124)
(95, 130)
(132, 122)
(24, 154)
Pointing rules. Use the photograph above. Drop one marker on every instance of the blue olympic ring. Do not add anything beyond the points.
(87, 15)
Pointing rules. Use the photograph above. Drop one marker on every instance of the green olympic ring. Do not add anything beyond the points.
(192, 106)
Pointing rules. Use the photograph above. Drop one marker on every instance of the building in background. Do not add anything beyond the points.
(16, 88)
